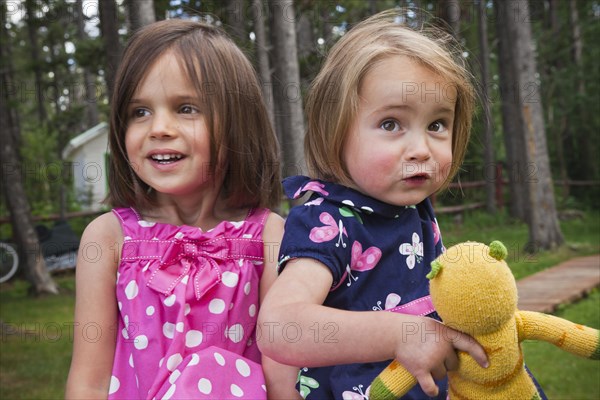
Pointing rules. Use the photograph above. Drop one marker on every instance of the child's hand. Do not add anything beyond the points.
(427, 349)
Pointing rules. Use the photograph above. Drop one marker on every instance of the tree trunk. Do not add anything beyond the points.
(561, 129)
(109, 26)
(288, 91)
(35, 60)
(90, 93)
(141, 13)
(450, 12)
(511, 117)
(23, 231)
(544, 229)
(236, 22)
(590, 164)
(489, 162)
(262, 56)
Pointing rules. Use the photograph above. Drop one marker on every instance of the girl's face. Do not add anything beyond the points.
(167, 140)
(399, 147)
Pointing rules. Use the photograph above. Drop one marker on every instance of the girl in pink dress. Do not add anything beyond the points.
(169, 283)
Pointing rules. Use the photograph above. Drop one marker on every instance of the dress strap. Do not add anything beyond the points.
(128, 218)
(258, 215)
(421, 306)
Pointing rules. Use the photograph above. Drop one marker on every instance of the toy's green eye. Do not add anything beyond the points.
(436, 267)
(498, 250)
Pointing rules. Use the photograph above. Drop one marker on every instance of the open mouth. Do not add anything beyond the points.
(166, 158)
(417, 178)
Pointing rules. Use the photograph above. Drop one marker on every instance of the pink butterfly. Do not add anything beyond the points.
(329, 231)
(391, 301)
(361, 261)
(312, 186)
(436, 232)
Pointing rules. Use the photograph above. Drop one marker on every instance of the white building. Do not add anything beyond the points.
(88, 152)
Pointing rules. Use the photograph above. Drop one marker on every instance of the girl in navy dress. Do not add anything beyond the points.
(389, 117)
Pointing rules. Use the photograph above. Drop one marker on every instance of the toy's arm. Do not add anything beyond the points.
(392, 383)
(576, 339)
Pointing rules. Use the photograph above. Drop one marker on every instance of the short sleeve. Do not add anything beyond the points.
(313, 231)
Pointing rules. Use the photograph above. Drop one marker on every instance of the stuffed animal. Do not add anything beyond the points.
(474, 291)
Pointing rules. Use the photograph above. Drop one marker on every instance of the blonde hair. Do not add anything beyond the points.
(333, 97)
(243, 144)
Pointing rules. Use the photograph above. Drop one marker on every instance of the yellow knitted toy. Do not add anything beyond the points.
(474, 291)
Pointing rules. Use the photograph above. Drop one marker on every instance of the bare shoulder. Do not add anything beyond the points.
(103, 227)
(274, 226)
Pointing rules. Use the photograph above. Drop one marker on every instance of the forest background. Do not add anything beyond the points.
(536, 63)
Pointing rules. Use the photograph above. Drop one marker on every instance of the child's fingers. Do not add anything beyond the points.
(427, 384)
(466, 343)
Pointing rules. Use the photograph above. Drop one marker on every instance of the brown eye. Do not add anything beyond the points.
(437, 126)
(390, 125)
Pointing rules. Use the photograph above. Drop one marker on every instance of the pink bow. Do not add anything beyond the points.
(187, 257)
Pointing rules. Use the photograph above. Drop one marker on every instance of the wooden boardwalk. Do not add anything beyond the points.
(546, 290)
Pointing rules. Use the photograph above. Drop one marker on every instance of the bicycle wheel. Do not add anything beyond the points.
(9, 262)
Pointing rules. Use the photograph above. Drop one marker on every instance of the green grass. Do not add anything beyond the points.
(35, 347)
(563, 375)
(582, 237)
(36, 342)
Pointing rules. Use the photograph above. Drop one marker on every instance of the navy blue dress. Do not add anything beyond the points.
(378, 255)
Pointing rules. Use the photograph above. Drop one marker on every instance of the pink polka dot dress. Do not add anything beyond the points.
(188, 302)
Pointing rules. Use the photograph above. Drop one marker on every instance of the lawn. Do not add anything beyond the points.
(37, 335)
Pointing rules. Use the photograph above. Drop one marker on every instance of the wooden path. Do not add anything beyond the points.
(544, 291)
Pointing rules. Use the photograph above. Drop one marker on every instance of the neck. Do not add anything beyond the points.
(204, 210)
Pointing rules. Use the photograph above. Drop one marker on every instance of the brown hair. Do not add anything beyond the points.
(243, 144)
(333, 98)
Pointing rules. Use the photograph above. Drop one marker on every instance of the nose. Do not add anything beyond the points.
(417, 148)
(163, 126)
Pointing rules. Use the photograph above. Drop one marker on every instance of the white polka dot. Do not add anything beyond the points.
(174, 361)
(252, 310)
(193, 338)
(169, 330)
(247, 288)
(236, 390)
(131, 290)
(179, 235)
(169, 301)
(125, 333)
(204, 386)
(146, 224)
(150, 310)
(235, 333)
(146, 267)
(141, 342)
(242, 367)
(220, 360)
(174, 376)
(120, 305)
(127, 238)
(185, 279)
(160, 362)
(169, 393)
(216, 306)
(230, 279)
(264, 387)
(187, 309)
(179, 327)
(131, 360)
(195, 360)
(114, 385)
(126, 321)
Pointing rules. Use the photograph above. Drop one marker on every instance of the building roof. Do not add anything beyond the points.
(80, 140)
